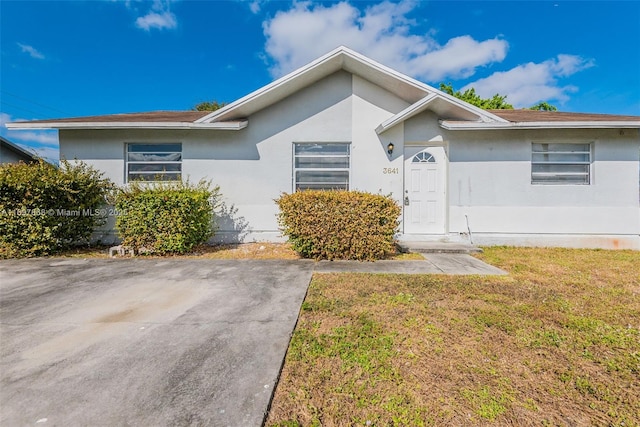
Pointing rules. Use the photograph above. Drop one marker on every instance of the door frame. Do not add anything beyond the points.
(415, 149)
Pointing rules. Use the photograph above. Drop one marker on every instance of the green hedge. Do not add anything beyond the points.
(45, 209)
(339, 224)
(166, 217)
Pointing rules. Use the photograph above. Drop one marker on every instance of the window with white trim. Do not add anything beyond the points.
(321, 166)
(559, 163)
(154, 162)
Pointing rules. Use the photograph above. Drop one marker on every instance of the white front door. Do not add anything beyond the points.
(425, 190)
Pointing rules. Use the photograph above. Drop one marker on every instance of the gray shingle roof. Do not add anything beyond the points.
(149, 117)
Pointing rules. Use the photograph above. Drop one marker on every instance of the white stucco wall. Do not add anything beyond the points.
(490, 186)
(488, 173)
(370, 160)
(254, 166)
(490, 192)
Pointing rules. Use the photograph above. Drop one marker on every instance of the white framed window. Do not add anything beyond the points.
(560, 163)
(154, 162)
(321, 166)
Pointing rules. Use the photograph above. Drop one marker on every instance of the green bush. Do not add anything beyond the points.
(166, 217)
(339, 224)
(44, 209)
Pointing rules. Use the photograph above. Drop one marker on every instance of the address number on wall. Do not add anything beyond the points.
(390, 171)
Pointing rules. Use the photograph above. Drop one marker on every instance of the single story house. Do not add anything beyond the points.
(344, 121)
(13, 153)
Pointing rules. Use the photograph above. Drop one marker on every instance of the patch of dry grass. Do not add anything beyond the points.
(245, 251)
(94, 251)
(557, 342)
(229, 251)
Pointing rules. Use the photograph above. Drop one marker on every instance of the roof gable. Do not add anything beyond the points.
(15, 148)
(342, 58)
(445, 108)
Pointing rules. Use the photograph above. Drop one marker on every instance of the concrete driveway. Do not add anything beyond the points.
(144, 342)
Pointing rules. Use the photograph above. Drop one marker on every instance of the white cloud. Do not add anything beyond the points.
(44, 143)
(33, 52)
(159, 17)
(159, 21)
(255, 6)
(44, 137)
(382, 31)
(4, 118)
(459, 58)
(530, 83)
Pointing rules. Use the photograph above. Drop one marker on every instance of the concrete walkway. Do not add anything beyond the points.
(438, 247)
(434, 263)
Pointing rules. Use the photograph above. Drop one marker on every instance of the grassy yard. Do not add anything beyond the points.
(557, 342)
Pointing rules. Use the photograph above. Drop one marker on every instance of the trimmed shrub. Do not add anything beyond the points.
(166, 218)
(45, 209)
(339, 224)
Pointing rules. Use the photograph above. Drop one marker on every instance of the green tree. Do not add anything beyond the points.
(209, 106)
(497, 102)
(544, 106)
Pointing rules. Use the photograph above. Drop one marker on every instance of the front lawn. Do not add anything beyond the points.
(557, 342)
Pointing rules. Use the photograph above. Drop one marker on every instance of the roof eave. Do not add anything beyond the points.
(234, 125)
(484, 115)
(541, 125)
(405, 114)
(410, 81)
(422, 105)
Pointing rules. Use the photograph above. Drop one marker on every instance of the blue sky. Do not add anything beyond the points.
(77, 58)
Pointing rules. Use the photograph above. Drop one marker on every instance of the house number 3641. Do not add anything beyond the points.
(390, 171)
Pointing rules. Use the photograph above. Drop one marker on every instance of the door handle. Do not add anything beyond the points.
(406, 200)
